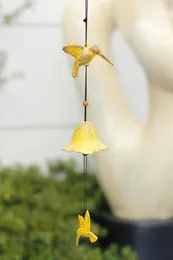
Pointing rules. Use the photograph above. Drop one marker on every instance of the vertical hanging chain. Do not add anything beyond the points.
(85, 161)
(86, 22)
(86, 67)
(85, 170)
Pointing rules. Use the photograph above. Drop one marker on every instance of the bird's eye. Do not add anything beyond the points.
(95, 49)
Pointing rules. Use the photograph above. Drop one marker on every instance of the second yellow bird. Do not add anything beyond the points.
(83, 55)
(84, 229)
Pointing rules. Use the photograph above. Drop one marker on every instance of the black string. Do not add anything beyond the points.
(86, 68)
(86, 92)
(86, 22)
(85, 166)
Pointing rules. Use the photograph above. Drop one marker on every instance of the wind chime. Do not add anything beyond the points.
(84, 139)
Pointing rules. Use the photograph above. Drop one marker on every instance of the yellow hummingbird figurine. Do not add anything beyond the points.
(84, 229)
(83, 55)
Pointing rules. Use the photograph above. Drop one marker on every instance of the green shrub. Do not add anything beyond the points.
(38, 215)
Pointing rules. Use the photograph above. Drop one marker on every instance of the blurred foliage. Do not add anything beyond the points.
(39, 215)
(9, 18)
(3, 77)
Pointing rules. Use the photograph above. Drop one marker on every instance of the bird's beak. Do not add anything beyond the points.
(106, 59)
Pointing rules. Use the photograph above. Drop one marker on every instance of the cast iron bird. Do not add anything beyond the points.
(84, 229)
(83, 55)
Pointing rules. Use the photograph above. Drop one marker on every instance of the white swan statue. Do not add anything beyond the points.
(136, 173)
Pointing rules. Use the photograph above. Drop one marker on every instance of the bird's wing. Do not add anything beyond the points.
(93, 238)
(75, 69)
(79, 233)
(87, 222)
(74, 50)
(81, 221)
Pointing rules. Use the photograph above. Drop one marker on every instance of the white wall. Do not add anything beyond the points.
(38, 113)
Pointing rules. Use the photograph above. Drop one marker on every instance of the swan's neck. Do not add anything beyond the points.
(146, 5)
(106, 95)
(154, 11)
(161, 108)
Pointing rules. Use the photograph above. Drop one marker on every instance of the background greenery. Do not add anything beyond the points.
(7, 19)
(38, 215)
(10, 17)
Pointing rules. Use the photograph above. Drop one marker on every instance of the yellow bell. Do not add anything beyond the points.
(85, 140)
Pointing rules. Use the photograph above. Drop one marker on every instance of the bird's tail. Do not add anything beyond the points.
(75, 69)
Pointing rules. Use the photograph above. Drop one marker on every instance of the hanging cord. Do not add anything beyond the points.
(85, 169)
(85, 161)
(86, 67)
